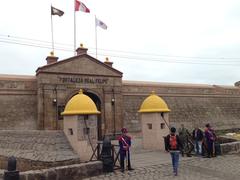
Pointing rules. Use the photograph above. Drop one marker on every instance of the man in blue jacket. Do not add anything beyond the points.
(125, 144)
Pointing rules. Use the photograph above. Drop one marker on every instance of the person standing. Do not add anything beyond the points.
(124, 144)
(173, 145)
(183, 135)
(197, 135)
(210, 138)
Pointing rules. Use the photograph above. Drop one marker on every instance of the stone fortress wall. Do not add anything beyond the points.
(189, 103)
(18, 102)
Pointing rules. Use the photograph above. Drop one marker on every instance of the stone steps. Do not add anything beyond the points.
(36, 145)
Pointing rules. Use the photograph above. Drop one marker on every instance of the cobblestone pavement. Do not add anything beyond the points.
(194, 168)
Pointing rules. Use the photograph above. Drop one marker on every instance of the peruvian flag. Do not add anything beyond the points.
(79, 6)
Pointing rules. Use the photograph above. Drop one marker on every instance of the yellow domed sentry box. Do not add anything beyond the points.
(80, 124)
(155, 122)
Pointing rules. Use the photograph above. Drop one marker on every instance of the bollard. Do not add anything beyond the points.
(106, 155)
(217, 149)
(11, 173)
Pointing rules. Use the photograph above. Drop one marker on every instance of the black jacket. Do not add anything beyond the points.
(199, 135)
(167, 143)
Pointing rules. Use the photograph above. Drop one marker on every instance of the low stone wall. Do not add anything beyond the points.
(27, 164)
(71, 172)
(232, 147)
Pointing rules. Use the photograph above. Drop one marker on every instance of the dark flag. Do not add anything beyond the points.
(55, 11)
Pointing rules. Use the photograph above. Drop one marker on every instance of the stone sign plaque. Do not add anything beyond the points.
(83, 80)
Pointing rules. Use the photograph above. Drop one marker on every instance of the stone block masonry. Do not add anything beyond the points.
(36, 149)
(70, 172)
(230, 148)
(189, 104)
(18, 102)
(27, 102)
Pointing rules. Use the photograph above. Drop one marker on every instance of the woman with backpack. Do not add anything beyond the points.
(173, 145)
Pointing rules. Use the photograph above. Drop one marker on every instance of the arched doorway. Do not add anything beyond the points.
(97, 101)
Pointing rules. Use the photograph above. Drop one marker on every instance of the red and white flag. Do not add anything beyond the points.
(79, 6)
(101, 24)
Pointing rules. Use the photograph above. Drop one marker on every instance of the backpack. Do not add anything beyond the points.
(173, 142)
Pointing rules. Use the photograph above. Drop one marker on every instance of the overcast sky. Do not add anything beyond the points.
(182, 41)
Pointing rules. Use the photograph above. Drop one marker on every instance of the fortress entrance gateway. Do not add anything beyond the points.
(59, 81)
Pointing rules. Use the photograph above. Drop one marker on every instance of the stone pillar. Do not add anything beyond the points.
(107, 62)
(81, 50)
(51, 59)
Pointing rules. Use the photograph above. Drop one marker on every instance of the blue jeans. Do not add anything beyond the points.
(198, 147)
(175, 160)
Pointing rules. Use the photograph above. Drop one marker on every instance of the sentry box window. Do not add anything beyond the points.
(70, 131)
(162, 125)
(149, 126)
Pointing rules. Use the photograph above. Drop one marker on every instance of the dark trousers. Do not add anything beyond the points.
(123, 156)
(210, 148)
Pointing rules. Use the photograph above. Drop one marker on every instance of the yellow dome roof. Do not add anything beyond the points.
(153, 103)
(80, 104)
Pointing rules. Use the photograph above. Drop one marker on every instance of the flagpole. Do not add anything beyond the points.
(96, 34)
(52, 31)
(74, 48)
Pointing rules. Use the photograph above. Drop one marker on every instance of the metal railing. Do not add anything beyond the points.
(96, 156)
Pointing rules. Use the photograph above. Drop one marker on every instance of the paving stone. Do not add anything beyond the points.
(219, 168)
